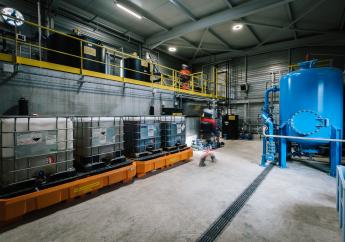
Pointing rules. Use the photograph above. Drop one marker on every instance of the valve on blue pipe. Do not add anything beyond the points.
(269, 146)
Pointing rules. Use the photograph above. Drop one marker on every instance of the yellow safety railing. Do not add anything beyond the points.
(167, 78)
(221, 84)
(319, 63)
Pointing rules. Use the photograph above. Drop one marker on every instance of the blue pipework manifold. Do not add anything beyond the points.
(311, 115)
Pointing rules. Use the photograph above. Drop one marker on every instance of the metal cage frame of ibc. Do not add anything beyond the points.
(93, 161)
(167, 134)
(34, 181)
(132, 138)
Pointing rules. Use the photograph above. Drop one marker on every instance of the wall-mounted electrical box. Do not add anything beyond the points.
(244, 87)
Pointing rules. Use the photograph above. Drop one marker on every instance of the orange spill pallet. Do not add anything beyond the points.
(16, 207)
(143, 167)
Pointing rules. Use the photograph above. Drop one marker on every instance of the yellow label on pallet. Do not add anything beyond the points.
(174, 159)
(87, 188)
(232, 117)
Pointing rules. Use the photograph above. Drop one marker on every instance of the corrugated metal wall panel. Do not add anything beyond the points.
(258, 75)
(260, 71)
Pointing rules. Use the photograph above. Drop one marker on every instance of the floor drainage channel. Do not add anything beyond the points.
(223, 220)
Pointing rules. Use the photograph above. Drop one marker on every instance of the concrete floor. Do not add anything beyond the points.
(294, 204)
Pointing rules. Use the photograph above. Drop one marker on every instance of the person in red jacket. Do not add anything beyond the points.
(209, 132)
(185, 77)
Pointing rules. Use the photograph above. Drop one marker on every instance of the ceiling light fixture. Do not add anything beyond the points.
(128, 11)
(18, 19)
(237, 27)
(172, 49)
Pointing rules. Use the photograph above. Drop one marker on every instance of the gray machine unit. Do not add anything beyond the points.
(35, 150)
(99, 141)
(142, 134)
(173, 131)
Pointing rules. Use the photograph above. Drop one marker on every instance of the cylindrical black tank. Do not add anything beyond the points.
(138, 70)
(72, 46)
(23, 106)
(230, 126)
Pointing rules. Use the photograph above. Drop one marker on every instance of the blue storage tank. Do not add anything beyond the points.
(311, 106)
(311, 103)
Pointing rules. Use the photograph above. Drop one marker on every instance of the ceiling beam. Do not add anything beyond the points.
(203, 47)
(227, 2)
(154, 20)
(332, 39)
(65, 7)
(305, 13)
(193, 45)
(255, 35)
(291, 18)
(180, 6)
(237, 12)
(283, 28)
(200, 43)
(150, 17)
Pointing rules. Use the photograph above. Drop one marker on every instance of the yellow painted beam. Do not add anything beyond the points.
(47, 65)
(6, 57)
(74, 70)
(101, 75)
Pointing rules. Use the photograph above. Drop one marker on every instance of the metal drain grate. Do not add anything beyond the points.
(220, 224)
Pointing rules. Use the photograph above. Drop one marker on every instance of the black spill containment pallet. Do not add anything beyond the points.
(90, 166)
(150, 155)
(12, 192)
(174, 149)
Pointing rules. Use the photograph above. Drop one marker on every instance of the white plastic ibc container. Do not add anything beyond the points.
(98, 139)
(34, 147)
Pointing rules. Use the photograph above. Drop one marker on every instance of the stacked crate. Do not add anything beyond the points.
(173, 130)
(142, 135)
(99, 141)
(35, 150)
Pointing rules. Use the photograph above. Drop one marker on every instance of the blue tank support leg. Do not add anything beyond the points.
(282, 148)
(282, 153)
(263, 158)
(335, 151)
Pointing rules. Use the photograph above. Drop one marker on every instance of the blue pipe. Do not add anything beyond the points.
(267, 117)
(267, 95)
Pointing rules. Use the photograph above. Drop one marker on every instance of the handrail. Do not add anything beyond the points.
(197, 80)
(299, 137)
(325, 63)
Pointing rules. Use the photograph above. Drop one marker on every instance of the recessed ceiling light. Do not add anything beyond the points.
(172, 49)
(237, 27)
(128, 11)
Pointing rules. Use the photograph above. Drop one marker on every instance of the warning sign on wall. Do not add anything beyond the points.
(89, 51)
